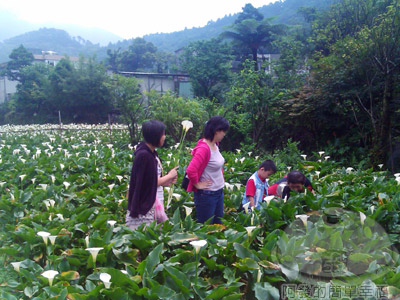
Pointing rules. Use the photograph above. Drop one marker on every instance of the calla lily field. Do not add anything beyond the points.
(63, 235)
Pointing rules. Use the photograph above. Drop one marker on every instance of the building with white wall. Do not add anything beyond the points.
(52, 58)
(163, 82)
(7, 88)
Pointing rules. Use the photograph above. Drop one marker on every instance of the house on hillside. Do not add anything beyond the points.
(163, 82)
(52, 58)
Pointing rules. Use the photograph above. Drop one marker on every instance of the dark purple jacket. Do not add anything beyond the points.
(143, 183)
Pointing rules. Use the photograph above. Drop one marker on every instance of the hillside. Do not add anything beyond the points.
(48, 39)
(285, 12)
(11, 26)
(58, 40)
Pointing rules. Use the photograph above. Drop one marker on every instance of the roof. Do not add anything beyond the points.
(54, 57)
(153, 74)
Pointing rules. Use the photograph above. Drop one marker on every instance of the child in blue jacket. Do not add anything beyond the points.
(257, 184)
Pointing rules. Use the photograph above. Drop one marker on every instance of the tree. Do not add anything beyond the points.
(164, 62)
(292, 67)
(253, 34)
(129, 102)
(172, 110)
(361, 71)
(112, 60)
(139, 56)
(208, 65)
(81, 93)
(32, 103)
(345, 18)
(20, 58)
(249, 102)
(249, 12)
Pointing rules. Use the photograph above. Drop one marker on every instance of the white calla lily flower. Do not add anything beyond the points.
(43, 186)
(246, 207)
(321, 153)
(249, 229)
(304, 156)
(188, 210)
(94, 252)
(380, 166)
(187, 125)
(50, 274)
(268, 199)
(47, 203)
(177, 196)
(303, 218)
(45, 235)
(66, 184)
(111, 222)
(52, 239)
(197, 245)
(16, 265)
(119, 177)
(362, 217)
(105, 278)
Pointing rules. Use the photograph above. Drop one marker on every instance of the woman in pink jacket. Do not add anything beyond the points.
(205, 173)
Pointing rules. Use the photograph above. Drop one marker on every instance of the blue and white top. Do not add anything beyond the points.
(261, 187)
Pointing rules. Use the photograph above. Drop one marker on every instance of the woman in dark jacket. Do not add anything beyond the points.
(144, 176)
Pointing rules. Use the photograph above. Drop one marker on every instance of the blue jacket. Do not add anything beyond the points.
(261, 187)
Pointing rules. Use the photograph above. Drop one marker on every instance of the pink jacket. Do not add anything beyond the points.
(201, 155)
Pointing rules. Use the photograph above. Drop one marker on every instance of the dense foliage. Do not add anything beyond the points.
(73, 186)
(334, 86)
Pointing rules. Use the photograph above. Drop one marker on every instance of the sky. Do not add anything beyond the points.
(127, 18)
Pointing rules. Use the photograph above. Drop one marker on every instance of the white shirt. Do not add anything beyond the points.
(213, 171)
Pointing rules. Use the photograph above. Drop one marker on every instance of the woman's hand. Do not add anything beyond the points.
(173, 174)
(168, 179)
(201, 185)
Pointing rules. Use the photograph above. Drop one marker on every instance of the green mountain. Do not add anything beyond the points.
(58, 40)
(11, 26)
(284, 12)
(48, 39)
